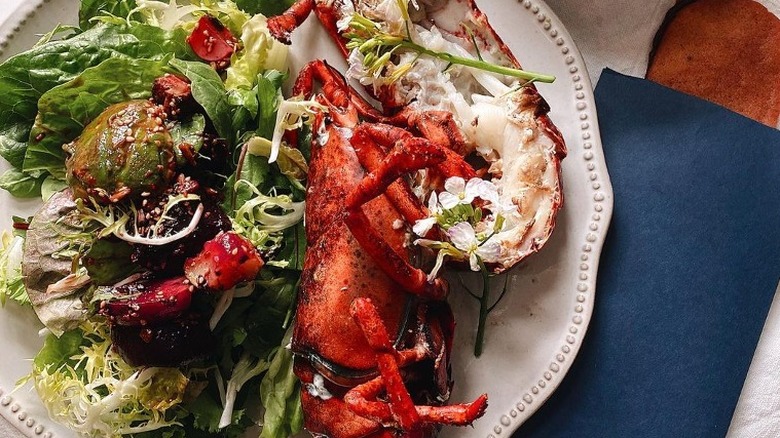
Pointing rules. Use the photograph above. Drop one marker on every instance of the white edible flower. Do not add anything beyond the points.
(464, 238)
(347, 10)
(485, 190)
(357, 69)
(458, 191)
(422, 226)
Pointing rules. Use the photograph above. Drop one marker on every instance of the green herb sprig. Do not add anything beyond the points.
(377, 47)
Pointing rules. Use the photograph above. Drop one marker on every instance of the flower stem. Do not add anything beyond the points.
(479, 64)
(483, 309)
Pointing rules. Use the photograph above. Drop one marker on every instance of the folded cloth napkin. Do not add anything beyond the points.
(688, 272)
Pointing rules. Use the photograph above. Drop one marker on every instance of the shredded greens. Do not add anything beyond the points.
(83, 383)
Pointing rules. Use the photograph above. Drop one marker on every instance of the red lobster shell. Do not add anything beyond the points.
(372, 337)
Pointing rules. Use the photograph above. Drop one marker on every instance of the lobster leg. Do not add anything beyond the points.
(437, 126)
(401, 404)
(406, 156)
(387, 135)
(401, 408)
(282, 26)
(338, 93)
(371, 155)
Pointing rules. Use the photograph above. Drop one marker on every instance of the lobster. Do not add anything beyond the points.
(372, 336)
(373, 332)
(495, 119)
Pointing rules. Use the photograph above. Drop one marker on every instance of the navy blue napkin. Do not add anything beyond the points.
(689, 269)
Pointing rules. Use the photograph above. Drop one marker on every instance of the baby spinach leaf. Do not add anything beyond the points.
(13, 143)
(26, 76)
(209, 91)
(20, 184)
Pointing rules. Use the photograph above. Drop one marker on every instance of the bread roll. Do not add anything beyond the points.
(725, 51)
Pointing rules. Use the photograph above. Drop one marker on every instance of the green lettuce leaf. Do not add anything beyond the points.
(280, 392)
(265, 7)
(21, 184)
(11, 281)
(66, 109)
(13, 143)
(260, 52)
(50, 186)
(26, 76)
(59, 351)
(269, 90)
(108, 261)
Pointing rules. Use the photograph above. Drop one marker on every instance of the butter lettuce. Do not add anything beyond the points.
(280, 391)
(11, 281)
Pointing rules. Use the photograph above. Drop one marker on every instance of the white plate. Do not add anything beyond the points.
(534, 333)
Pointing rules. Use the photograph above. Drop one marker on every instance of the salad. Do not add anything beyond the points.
(165, 260)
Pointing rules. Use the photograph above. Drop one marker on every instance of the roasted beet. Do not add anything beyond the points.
(174, 94)
(146, 302)
(212, 41)
(169, 259)
(168, 344)
(225, 261)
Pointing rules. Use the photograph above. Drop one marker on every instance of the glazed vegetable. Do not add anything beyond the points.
(125, 151)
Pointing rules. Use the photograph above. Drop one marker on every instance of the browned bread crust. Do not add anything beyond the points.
(725, 51)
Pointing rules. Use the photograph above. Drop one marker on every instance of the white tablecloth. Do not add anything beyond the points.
(618, 34)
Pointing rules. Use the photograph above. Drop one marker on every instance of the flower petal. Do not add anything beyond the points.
(473, 262)
(422, 226)
(356, 68)
(448, 200)
(463, 236)
(490, 251)
(433, 204)
(428, 243)
(486, 190)
(455, 185)
(437, 266)
(473, 186)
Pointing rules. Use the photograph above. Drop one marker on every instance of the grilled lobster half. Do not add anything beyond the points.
(372, 336)
(406, 52)
(373, 333)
